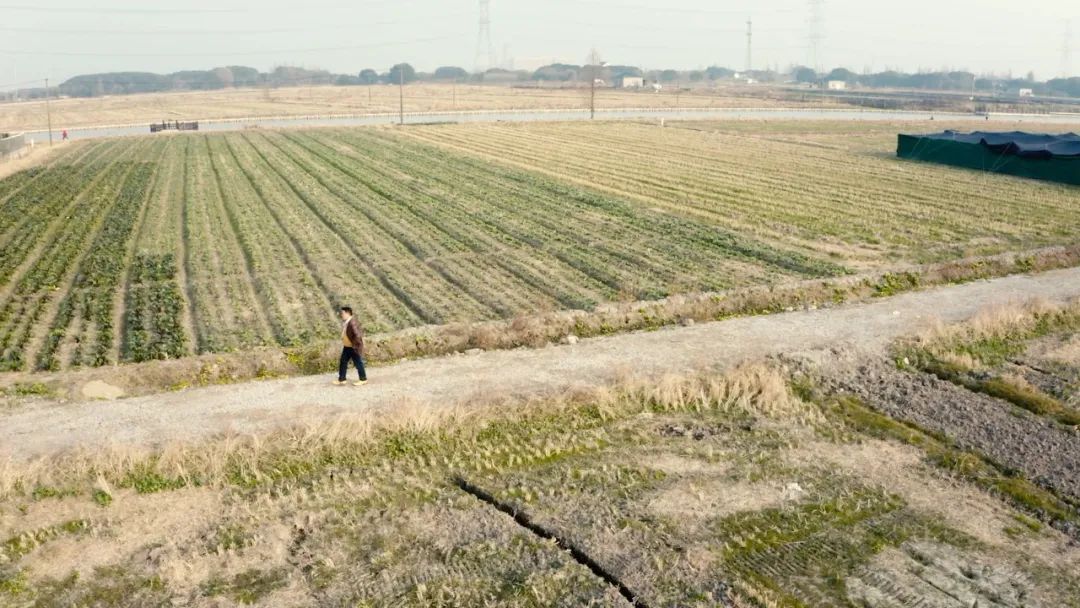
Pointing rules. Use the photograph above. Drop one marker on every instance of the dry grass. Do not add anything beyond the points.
(754, 388)
(1067, 353)
(326, 100)
(29, 158)
(997, 333)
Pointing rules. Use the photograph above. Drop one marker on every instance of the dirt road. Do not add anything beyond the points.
(246, 408)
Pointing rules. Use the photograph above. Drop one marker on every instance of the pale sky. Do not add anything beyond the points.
(62, 38)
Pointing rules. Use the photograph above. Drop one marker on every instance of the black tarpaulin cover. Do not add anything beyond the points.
(1039, 156)
(1019, 143)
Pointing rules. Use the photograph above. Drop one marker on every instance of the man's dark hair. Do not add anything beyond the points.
(347, 309)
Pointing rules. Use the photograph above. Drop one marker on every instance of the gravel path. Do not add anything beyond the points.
(48, 428)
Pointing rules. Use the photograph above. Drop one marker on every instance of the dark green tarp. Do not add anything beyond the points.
(1047, 157)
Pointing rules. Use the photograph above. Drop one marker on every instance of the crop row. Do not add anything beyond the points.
(153, 326)
(227, 313)
(281, 227)
(313, 223)
(406, 246)
(386, 266)
(823, 198)
(681, 242)
(298, 308)
(12, 184)
(76, 214)
(100, 273)
(615, 243)
(31, 212)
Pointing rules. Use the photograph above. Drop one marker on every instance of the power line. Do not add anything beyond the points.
(21, 52)
(231, 32)
(666, 9)
(699, 27)
(20, 84)
(146, 11)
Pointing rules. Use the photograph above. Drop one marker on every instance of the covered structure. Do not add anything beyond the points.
(1039, 156)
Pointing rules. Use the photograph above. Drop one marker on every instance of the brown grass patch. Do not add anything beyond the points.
(755, 388)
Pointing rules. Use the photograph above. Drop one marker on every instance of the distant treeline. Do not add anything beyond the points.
(122, 83)
(945, 81)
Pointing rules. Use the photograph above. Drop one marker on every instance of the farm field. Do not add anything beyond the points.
(827, 189)
(836, 481)
(322, 100)
(145, 249)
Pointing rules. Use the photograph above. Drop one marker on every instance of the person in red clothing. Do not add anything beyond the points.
(352, 340)
(63, 135)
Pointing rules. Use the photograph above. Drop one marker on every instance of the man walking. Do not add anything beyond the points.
(352, 337)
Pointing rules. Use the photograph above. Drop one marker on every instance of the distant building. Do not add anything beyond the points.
(836, 85)
(1027, 92)
(631, 82)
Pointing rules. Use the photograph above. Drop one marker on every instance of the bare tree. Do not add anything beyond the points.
(594, 71)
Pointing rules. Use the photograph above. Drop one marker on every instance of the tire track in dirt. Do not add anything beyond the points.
(1045, 451)
(47, 428)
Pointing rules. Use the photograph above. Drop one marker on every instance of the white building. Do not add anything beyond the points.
(631, 82)
(1027, 92)
(836, 85)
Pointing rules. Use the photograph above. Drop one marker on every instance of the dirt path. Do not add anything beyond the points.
(49, 428)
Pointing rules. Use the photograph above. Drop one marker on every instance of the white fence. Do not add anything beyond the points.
(11, 144)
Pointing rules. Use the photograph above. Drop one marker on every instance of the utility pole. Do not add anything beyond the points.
(48, 110)
(592, 94)
(401, 93)
(594, 74)
(974, 107)
(749, 46)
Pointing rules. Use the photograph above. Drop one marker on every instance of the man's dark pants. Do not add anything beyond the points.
(350, 354)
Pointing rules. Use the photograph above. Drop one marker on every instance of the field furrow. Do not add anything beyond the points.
(297, 308)
(227, 313)
(347, 276)
(362, 215)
